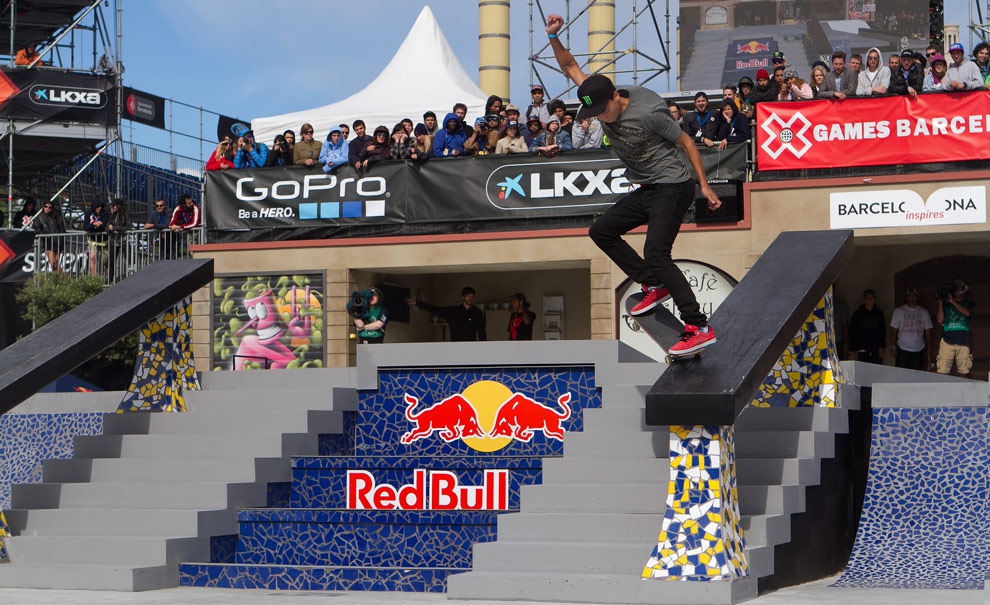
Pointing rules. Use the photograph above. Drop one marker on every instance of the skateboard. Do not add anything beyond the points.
(659, 324)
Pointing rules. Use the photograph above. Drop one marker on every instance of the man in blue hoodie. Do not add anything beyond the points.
(335, 150)
(250, 154)
(449, 142)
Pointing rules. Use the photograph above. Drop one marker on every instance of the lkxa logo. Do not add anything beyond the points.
(87, 98)
(556, 184)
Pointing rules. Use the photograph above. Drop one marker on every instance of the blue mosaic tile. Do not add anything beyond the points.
(279, 494)
(277, 577)
(358, 538)
(925, 515)
(223, 548)
(340, 444)
(473, 418)
(27, 440)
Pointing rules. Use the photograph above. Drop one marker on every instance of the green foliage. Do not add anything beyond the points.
(51, 295)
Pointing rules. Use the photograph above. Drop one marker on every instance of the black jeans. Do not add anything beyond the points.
(661, 208)
(913, 360)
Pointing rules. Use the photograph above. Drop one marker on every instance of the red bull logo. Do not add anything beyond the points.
(751, 48)
(430, 490)
(487, 416)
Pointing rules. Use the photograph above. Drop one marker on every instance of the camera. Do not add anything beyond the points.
(360, 300)
(945, 291)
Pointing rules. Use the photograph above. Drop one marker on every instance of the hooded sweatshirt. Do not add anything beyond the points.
(447, 143)
(868, 80)
(96, 221)
(559, 138)
(332, 155)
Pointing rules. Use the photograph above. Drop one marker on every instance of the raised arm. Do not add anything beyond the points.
(568, 64)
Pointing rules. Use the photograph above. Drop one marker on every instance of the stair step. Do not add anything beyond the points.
(617, 419)
(618, 444)
(321, 398)
(177, 470)
(590, 497)
(81, 576)
(771, 499)
(580, 469)
(136, 551)
(638, 528)
(559, 557)
(197, 496)
(287, 577)
(251, 380)
(121, 522)
(197, 445)
(781, 444)
(221, 421)
(778, 471)
(766, 529)
(820, 419)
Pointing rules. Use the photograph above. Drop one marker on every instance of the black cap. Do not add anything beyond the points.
(594, 93)
(907, 52)
(429, 114)
(699, 95)
(745, 80)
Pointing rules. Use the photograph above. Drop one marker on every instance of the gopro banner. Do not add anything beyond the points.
(936, 127)
(37, 94)
(440, 190)
(905, 208)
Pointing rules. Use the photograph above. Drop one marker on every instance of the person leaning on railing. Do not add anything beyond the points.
(50, 223)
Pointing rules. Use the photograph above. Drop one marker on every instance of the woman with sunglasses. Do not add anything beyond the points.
(219, 161)
(376, 150)
(307, 151)
(50, 222)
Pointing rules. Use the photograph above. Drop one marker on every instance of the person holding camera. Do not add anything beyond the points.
(369, 315)
(954, 313)
(521, 319)
(477, 143)
(250, 154)
(281, 154)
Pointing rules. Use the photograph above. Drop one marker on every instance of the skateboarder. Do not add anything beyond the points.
(645, 137)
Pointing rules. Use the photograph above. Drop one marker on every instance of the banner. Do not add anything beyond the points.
(37, 94)
(144, 108)
(226, 126)
(906, 208)
(937, 127)
(439, 190)
(15, 248)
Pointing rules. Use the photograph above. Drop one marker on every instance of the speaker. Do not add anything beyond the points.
(731, 194)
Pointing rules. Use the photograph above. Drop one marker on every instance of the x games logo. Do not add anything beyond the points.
(786, 136)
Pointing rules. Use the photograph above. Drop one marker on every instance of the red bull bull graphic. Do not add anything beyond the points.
(752, 47)
(520, 416)
(453, 418)
(429, 490)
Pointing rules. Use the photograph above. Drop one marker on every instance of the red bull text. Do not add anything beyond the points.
(430, 490)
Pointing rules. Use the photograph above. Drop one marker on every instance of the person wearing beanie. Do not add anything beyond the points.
(762, 91)
(795, 89)
(745, 87)
(875, 79)
(430, 122)
(376, 150)
(422, 147)
(935, 80)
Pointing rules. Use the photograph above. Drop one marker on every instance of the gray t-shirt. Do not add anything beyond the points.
(644, 138)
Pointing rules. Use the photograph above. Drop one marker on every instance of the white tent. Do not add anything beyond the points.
(424, 69)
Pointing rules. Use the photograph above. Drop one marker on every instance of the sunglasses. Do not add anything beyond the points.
(307, 132)
(47, 207)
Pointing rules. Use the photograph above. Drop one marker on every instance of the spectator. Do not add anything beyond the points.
(551, 141)
(307, 151)
(449, 142)
(953, 314)
(875, 79)
(729, 94)
(279, 155)
(376, 150)
(763, 91)
(290, 141)
(676, 113)
(981, 57)
(840, 82)
(249, 154)
(795, 89)
(494, 131)
(430, 121)
(512, 114)
(493, 105)
(910, 333)
(159, 218)
(588, 133)
(219, 161)
(778, 81)
(855, 63)
(408, 126)
(818, 74)
(345, 131)
(423, 145)
(908, 79)
(371, 325)
(893, 62)
(702, 123)
(537, 107)
(185, 216)
(119, 225)
(521, 319)
(28, 54)
(24, 217)
(935, 80)
(733, 126)
(95, 226)
(49, 223)
(867, 331)
(534, 127)
(778, 59)
(511, 141)
(466, 321)
(477, 142)
(745, 88)
(334, 151)
(361, 140)
(460, 110)
(559, 109)
(962, 74)
(400, 145)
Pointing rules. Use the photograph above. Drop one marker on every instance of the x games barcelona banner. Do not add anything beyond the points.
(936, 127)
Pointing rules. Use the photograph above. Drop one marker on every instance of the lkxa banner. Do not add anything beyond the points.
(34, 94)
(936, 127)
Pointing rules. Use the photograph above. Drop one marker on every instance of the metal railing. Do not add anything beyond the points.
(111, 256)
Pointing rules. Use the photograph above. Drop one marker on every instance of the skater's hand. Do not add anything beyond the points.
(554, 23)
(713, 202)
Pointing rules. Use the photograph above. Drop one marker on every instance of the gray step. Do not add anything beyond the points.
(203, 445)
(101, 550)
(220, 421)
(619, 418)
(121, 522)
(159, 495)
(771, 499)
(618, 444)
(78, 576)
(778, 471)
(580, 469)
(782, 444)
(835, 420)
(760, 561)
(625, 396)
(558, 557)
(261, 400)
(175, 470)
(617, 497)
(490, 586)
(766, 529)
(636, 373)
(637, 528)
(278, 379)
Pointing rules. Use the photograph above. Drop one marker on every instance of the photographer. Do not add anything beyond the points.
(953, 314)
(369, 315)
(249, 153)
(281, 154)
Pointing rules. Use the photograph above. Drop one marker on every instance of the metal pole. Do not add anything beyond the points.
(635, 17)
(66, 31)
(669, 67)
(10, 169)
(83, 169)
(119, 71)
(532, 68)
(13, 28)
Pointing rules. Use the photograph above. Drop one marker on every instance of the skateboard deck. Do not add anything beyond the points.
(659, 324)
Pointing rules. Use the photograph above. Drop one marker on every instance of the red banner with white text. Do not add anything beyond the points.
(937, 127)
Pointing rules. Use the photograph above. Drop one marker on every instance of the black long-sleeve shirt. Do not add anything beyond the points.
(466, 324)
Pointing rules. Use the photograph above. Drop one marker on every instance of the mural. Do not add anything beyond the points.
(268, 322)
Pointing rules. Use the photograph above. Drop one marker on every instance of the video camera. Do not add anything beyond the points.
(947, 289)
(360, 300)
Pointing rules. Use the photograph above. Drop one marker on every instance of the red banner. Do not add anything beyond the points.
(937, 127)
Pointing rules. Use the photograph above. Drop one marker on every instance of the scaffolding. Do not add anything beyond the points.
(623, 51)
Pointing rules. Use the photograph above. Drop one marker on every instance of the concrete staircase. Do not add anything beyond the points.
(586, 533)
(158, 489)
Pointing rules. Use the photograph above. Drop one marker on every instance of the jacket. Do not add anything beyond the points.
(332, 155)
(185, 218)
(256, 158)
(734, 130)
(355, 148)
(966, 72)
(303, 151)
(760, 94)
(703, 126)
(446, 143)
(899, 82)
(587, 139)
(845, 84)
(218, 162)
(96, 221)
(511, 145)
(868, 80)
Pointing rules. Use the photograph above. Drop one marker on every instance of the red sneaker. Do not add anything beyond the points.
(693, 340)
(652, 296)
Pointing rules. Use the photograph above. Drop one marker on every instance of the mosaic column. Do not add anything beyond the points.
(700, 538)
(807, 374)
(165, 367)
(4, 532)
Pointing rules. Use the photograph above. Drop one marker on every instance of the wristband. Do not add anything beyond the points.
(551, 36)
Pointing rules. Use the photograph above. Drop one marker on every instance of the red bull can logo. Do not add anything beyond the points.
(751, 48)
(487, 416)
